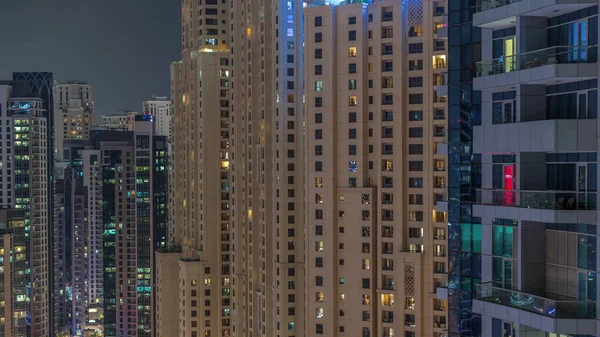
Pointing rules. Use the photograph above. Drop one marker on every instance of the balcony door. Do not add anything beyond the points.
(578, 39)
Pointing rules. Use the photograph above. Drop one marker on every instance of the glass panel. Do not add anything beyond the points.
(507, 274)
(591, 286)
(465, 237)
(497, 177)
(582, 108)
(593, 104)
(592, 180)
(497, 271)
(582, 286)
(476, 234)
(582, 178)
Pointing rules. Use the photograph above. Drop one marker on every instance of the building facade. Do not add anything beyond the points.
(24, 115)
(528, 224)
(375, 115)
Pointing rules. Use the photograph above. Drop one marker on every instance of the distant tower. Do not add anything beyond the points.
(73, 109)
(160, 107)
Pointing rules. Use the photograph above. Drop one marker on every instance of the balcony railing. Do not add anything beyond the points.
(538, 199)
(536, 304)
(538, 58)
(484, 5)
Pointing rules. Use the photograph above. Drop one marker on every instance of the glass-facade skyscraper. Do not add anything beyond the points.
(522, 146)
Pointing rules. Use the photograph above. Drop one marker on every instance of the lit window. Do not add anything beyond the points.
(319, 313)
(352, 101)
(352, 51)
(318, 85)
(319, 296)
(319, 246)
(352, 167)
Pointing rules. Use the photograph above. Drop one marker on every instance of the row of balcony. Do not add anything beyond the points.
(552, 200)
(536, 304)
(538, 58)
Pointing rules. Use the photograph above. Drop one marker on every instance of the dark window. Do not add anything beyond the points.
(319, 70)
(352, 150)
(415, 132)
(415, 98)
(352, 20)
(352, 117)
(415, 48)
(415, 82)
(352, 35)
(352, 68)
(318, 102)
(318, 53)
(318, 21)
(352, 133)
(318, 37)
(318, 150)
(415, 148)
(318, 118)
(415, 166)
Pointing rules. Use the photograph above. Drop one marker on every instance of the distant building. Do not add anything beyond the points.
(160, 108)
(134, 209)
(73, 111)
(118, 120)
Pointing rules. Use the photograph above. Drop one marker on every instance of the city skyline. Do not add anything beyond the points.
(122, 48)
(318, 168)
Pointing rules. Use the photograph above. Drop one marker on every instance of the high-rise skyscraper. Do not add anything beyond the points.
(375, 114)
(25, 116)
(78, 245)
(199, 226)
(133, 167)
(267, 152)
(237, 140)
(523, 194)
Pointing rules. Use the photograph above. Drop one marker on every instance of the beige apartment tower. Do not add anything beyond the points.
(304, 187)
(199, 219)
(73, 111)
(375, 112)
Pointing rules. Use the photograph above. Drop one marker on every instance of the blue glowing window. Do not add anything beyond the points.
(352, 167)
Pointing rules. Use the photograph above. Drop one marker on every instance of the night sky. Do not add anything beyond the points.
(123, 48)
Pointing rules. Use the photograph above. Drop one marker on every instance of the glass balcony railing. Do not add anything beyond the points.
(536, 304)
(316, 3)
(554, 200)
(538, 58)
(484, 5)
